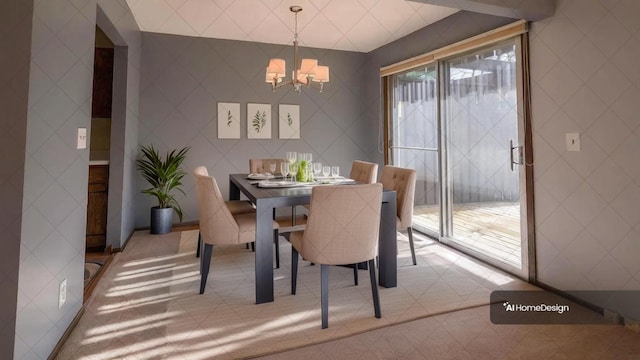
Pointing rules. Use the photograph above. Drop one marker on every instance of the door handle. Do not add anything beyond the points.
(520, 158)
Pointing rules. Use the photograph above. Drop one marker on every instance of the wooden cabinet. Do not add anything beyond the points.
(97, 207)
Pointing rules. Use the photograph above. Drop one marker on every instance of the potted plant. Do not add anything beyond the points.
(164, 175)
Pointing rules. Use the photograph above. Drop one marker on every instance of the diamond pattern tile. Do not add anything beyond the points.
(335, 24)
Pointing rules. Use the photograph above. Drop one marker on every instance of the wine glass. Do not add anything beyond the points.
(326, 170)
(335, 171)
(293, 170)
(317, 169)
(284, 169)
(291, 157)
(272, 167)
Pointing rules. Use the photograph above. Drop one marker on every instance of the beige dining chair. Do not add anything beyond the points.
(235, 206)
(403, 181)
(261, 166)
(364, 172)
(342, 229)
(218, 226)
(287, 223)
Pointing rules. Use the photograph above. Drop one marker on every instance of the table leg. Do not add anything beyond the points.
(388, 244)
(264, 252)
(234, 191)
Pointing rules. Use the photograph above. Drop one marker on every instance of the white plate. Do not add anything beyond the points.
(265, 176)
(328, 178)
(280, 184)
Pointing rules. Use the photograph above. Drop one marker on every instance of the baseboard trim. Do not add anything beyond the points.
(67, 333)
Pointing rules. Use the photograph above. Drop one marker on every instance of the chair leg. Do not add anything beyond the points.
(253, 246)
(199, 244)
(294, 270)
(413, 250)
(374, 288)
(355, 274)
(276, 242)
(324, 294)
(204, 266)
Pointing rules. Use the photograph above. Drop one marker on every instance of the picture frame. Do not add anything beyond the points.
(258, 121)
(289, 121)
(228, 120)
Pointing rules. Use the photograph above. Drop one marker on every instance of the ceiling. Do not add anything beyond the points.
(351, 25)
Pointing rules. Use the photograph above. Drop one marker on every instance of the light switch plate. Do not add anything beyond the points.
(573, 141)
(82, 138)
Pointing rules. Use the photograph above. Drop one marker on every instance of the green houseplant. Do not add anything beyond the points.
(164, 174)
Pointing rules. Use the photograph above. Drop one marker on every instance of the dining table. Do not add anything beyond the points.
(266, 199)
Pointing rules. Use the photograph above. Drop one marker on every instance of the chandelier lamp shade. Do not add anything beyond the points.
(306, 72)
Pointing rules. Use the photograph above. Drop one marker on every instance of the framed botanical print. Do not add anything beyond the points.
(228, 120)
(289, 121)
(258, 121)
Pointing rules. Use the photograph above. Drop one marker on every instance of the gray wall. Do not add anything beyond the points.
(585, 79)
(183, 79)
(47, 244)
(15, 52)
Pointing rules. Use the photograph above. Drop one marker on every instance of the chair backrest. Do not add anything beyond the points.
(364, 172)
(258, 166)
(343, 224)
(403, 181)
(217, 225)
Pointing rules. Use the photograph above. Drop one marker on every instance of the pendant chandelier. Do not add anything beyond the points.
(306, 72)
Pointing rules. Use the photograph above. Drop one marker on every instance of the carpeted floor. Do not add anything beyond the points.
(146, 304)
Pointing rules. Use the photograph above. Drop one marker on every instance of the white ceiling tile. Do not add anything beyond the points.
(151, 14)
(325, 39)
(225, 28)
(251, 20)
(176, 4)
(247, 20)
(179, 26)
(199, 14)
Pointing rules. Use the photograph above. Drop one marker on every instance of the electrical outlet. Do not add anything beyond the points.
(573, 141)
(82, 138)
(62, 293)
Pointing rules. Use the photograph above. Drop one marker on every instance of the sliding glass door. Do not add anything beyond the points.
(459, 123)
(415, 141)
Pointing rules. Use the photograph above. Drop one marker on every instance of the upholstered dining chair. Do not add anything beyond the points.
(218, 226)
(235, 206)
(260, 166)
(403, 181)
(364, 172)
(342, 229)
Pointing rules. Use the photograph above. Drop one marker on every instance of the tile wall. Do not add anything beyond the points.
(586, 80)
